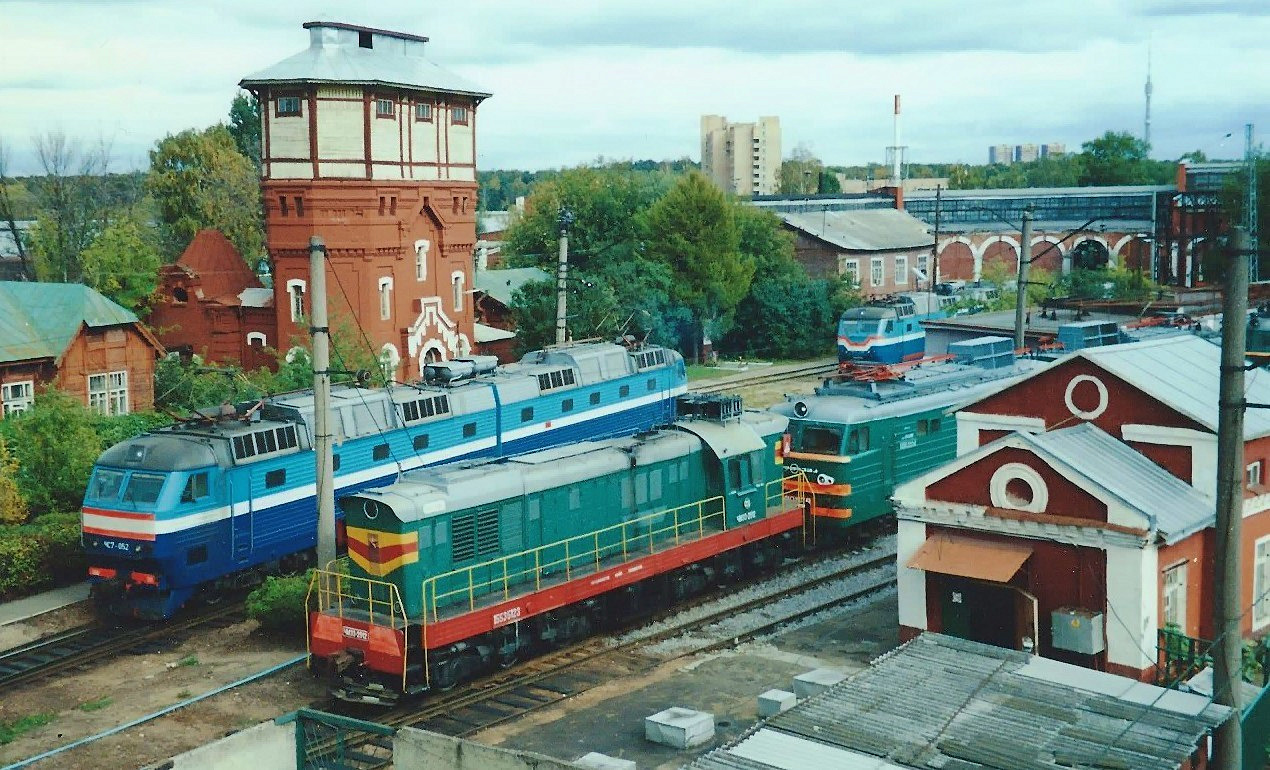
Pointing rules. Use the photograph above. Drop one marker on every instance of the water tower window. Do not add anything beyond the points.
(365, 40)
(287, 106)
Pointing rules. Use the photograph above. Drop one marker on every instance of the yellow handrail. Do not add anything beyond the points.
(502, 573)
(344, 597)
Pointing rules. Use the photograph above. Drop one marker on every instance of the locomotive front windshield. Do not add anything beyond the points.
(865, 320)
(818, 438)
(136, 487)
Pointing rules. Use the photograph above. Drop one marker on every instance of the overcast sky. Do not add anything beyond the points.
(574, 80)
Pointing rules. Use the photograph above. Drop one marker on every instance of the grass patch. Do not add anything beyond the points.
(702, 372)
(184, 694)
(9, 731)
(188, 660)
(96, 705)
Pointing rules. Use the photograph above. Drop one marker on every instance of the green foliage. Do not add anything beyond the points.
(123, 262)
(12, 730)
(1104, 283)
(801, 173)
(244, 125)
(41, 554)
(1119, 158)
(55, 444)
(96, 705)
(785, 317)
(829, 183)
(278, 603)
(592, 312)
(13, 507)
(499, 189)
(199, 179)
(692, 229)
(605, 204)
(187, 661)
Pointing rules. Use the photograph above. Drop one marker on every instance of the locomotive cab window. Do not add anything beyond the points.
(858, 440)
(820, 438)
(105, 484)
(195, 487)
(144, 488)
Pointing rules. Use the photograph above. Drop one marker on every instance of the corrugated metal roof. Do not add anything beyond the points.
(39, 320)
(1183, 373)
(335, 56)
(864, 229)
(1033, 192)
(1173, 507)
(502, 284)
(944, 702)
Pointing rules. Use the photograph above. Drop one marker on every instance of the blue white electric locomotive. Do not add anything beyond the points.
(887, 330)
(193, 509)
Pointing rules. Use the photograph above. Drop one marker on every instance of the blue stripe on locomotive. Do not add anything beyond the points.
(275, 531)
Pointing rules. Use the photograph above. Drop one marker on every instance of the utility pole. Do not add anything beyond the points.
(1227, 652)
(562, 275)
(1250, 213)
(321, 334)
(1025, 259)
(934, 251)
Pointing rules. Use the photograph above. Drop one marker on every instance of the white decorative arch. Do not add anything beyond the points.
(1111, 257)
(998, 488)
(434, 330)
(983, 249)
(389, 358)
(458, 283)
(434, 347)
(294, 285)
(969, 244)
(257, 336)
(1120, 244)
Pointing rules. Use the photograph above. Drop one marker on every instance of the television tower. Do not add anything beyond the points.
(1146, 123)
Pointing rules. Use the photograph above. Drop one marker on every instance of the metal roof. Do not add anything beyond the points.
(486, 333)
(1035, 192)
(502, 284)
(863, 229)
(939, 701)
(1183, 372)
(39, 320)
(335, 55)
(1173, 507)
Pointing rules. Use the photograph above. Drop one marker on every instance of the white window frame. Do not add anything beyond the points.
(901, 270)
(108, 392)
(423, 111)
(457, 280)
(1174, 590)
(1253, 474)
(17, 396)
(422, 247)
(923, 266)
(877, 271)
(385, 298)
(1261, 582)
(296, 289)
(253, 336)
(459, 116)
(848, 267)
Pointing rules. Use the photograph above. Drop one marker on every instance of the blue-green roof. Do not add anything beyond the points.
(502, 284)
(39, 320)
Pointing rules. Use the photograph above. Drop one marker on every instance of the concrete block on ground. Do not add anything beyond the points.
(774, 702)
(816, 682)
(679, 728)
(597, 761)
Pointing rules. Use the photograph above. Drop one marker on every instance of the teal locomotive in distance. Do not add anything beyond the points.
(456, 569)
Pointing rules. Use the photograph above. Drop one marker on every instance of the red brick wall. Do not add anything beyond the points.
(1198, 553)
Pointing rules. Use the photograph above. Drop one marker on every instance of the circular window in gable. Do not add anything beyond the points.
(1019, 487)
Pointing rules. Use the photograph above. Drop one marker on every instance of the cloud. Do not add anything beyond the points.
(1184, 8)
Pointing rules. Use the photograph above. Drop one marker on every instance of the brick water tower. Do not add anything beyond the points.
(373, 147)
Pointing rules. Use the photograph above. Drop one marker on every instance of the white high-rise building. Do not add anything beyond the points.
(742, 158)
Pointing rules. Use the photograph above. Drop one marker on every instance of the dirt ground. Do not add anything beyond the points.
(14, 634)
(765, 395)
(97, 699)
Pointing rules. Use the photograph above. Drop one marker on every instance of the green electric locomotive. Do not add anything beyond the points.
(865, 432)
(458, 568)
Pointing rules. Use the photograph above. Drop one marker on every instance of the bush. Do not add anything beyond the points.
(41, 554)
(279, 603)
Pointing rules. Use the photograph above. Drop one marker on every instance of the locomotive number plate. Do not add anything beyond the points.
(360, 634)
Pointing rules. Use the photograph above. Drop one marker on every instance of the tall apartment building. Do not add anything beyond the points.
(742, 158)
(373, 147)
(1000, 153)
(1053, 149)
(1026, 153)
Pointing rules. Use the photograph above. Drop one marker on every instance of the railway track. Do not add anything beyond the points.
(551, 678)
(90, 643)
(811, 370)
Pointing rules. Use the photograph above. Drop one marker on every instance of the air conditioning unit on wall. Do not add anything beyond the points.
(1078, 630)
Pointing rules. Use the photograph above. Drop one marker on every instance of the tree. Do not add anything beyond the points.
(1118, 158)
(55, 445)
(692, 229)
(199, 179)
(8, 213)
(13, 508)
(123, 262)
(244, 126)
(605, 204)
(762, 238)
(828, 184)
(592, 311)
(800, 174)
(72, 208)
